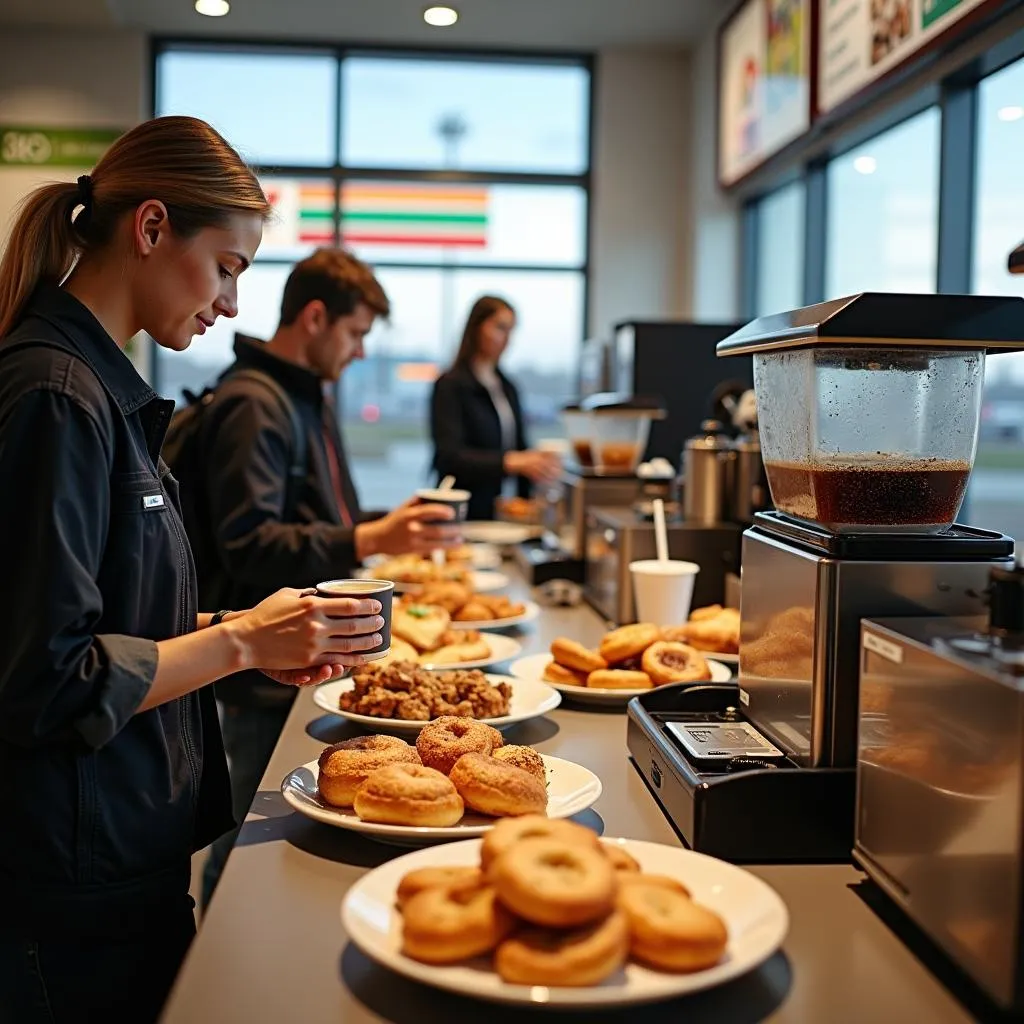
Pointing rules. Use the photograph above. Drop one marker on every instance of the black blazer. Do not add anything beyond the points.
(467, 437)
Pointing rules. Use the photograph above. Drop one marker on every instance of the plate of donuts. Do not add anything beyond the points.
(541, 913)
(379, 785)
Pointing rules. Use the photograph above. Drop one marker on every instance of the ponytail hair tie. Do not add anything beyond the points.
(85, 190)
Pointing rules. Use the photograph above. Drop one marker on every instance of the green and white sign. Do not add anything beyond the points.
(23, 146)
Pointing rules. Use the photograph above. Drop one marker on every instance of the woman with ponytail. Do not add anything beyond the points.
(112, 770)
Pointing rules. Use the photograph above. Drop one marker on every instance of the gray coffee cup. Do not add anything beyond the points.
(365, 590)
(456, 500)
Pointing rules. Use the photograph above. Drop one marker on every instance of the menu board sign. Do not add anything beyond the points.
(763, 83)
(860, 40)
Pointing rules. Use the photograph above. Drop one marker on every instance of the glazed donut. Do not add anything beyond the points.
(344, 767)
(433, 878)
(496, 789)
(628, 642)
(669, 931)
(621, 861)
(571, 654)
(409, 794)
(510, 831)
(449, 923)
(554, 883)
(668, 662)
(555, 673)
(658, 881)
(617, 679)
(444, 740)
(525, 758)
(584, 956)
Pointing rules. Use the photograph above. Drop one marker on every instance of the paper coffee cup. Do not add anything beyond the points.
(663, 590)
(364, 590)
(454, 499)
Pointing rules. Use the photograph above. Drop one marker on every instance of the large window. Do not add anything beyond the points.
(455, 177)
(780, 250)
(882, 226)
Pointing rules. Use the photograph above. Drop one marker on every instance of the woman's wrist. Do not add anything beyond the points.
(240, 651)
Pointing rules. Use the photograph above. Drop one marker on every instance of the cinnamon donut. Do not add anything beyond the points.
(344, 767)
(555, 673)
(507, 833)
(444, 740)
(621, 861)
(497, 789)
(583, 956)
(409, 794)
(432, 878)
(672, 662)
(669, 931)
(449, 923)
(628, 642)
(525, 758)
(658, 881)
(572, 654)
(619, 679)
(554, 883)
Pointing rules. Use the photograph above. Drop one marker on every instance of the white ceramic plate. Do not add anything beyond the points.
(532, 611)
(481, 556)
(483, 581)
(530, 699)
(725, 659)
(532, 667)
(756, 917)
(571, 789)
(502, 534)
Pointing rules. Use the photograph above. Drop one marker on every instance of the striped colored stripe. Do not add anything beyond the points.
(357, 237)
(316, 213)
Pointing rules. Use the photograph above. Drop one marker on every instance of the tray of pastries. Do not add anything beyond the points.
(468, 609)
(411, 572)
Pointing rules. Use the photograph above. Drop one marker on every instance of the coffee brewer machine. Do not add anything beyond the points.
(869, 409)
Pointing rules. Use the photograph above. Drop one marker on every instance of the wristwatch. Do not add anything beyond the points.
(218, 617)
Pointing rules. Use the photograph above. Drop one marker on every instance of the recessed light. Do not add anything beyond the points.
(865, 165)
(213, 8)
(440, 17)
(1011, 113)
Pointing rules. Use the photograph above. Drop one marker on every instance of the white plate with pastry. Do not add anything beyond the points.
(712, 630)
(498, 533)
(530, 612)
(745, 918)
(539, 667)
(484, 581)
(426, 635)
(515, 700)
(571, 789)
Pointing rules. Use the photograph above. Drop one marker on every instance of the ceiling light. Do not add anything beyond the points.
(440, 17)
(865, 165)
(213, 8)
(1011, 113)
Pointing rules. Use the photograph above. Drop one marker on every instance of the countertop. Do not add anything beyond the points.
(271, 947)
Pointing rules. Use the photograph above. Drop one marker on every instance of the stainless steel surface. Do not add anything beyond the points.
(615, 537)
(708, 473)
(749, 491)
(581, 492)
(940, 802)
(799, 649)
(271, 948)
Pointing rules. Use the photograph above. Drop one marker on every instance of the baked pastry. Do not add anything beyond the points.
(409, 794)
(628, 641)
(658, 881)
(583, 956)
(555, 673)
(714, 629)
(553, 883)
(525, 758)
(669, 931)
(574, 655)
(669, 662)
(496, 789)
(401, 650)
(468, 647)
(432, 878)
(444, 740)
(621, 861)
(510, 831)
(450, 596)
(449, 923)
(343, 767)
(421, 625)
(617, 679)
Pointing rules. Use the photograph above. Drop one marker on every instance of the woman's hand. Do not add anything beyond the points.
(322, 635)
(411, 528)
(542, 468)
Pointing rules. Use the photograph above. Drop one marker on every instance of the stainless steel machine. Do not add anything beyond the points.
(868, 409)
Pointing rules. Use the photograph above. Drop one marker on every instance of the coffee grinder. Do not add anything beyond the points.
(868, 408)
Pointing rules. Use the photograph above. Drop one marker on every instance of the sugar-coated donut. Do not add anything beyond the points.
(621, 860)
(659, 881)
(497, 789)
(449, 923)
(522, 757)
(554, 883)
(510, 831)
(555, 673)
(574, 655)
(444, 740)
(432, 878)
(669, 931)
(673, 662)
(582, 956)
(409, 794)
(628, 641)
(619, 679)
(343, 767)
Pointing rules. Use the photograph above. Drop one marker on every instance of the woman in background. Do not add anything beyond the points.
(476, 418)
